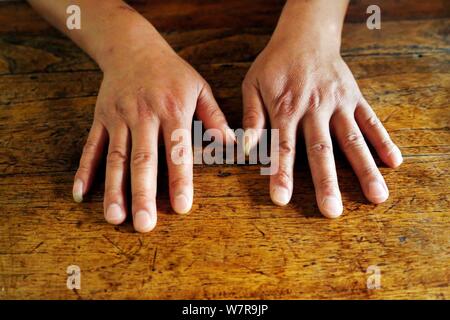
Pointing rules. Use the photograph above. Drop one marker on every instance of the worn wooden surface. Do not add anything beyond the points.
(235, 243)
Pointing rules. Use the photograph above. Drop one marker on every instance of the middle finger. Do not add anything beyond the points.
(321, 161)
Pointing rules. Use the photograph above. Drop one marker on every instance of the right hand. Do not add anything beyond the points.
(144, 90)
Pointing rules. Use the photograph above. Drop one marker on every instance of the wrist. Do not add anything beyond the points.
(130, 45)
(314, 25)
(312, 39)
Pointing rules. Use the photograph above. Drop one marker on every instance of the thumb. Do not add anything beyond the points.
(253, 116)
(209, 113)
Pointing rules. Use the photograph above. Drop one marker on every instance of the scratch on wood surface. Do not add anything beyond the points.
(292, 249)
(392, 206)
(120, 250)
(37, 246)
(79, 297)
(306, 257)
(389, 116)
(154, 259)
(253, 270)
(259, 229)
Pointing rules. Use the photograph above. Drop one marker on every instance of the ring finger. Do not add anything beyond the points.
(358, 154)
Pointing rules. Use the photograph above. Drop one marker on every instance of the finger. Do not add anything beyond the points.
(90, 159)
(253, 116)
(144, 166)
(282, 160)
(321, 161)
(114, 202)
(177, 137)
(209, 113)
(358, 154)
(375, 132)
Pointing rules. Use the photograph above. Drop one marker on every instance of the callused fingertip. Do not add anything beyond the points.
(280, 196)
(77, 191)
(115, 214)
(396, 157)
(143, 221)
(331, 207)
(181, 204)
(377, 192)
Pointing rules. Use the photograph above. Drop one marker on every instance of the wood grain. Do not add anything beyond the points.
(235, 243)
(177, 15)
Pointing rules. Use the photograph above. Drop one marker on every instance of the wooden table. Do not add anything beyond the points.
(235, 243)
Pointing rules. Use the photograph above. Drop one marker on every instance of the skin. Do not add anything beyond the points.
(147, 91)
(299, 80)
(302, 83)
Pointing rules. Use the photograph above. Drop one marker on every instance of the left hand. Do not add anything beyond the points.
(310, 87)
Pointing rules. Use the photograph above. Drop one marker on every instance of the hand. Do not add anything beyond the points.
(310, 88)
(146, 89)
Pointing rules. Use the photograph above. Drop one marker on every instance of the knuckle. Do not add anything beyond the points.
(90, 147)
(179, 182)
(101, 113)
(327, 184)
(141, 196)
(132, 108)
(283, 178)
(116, 157)
(285, 106)
(320, 149)
(251, 117)
(286, 148)
(370, 171)
(315, 101)
(173, 105)
(321, 101)
(123, 110)
(144, 109)
(373, 122)
(346, 95)
(181, 154)
(215, 114)
(181, 149)
(387, 145)
(353, 141)
(143, 159)
(112, 194)
(84, 166)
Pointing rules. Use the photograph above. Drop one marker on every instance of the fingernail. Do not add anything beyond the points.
(247, 139)
(280, 196)
(377, 192)
(397, 157)
(143, 221)
(246, 148)
(181, 204)
(331, 207)
(77, 191)
(230, 135)
(115, 214)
